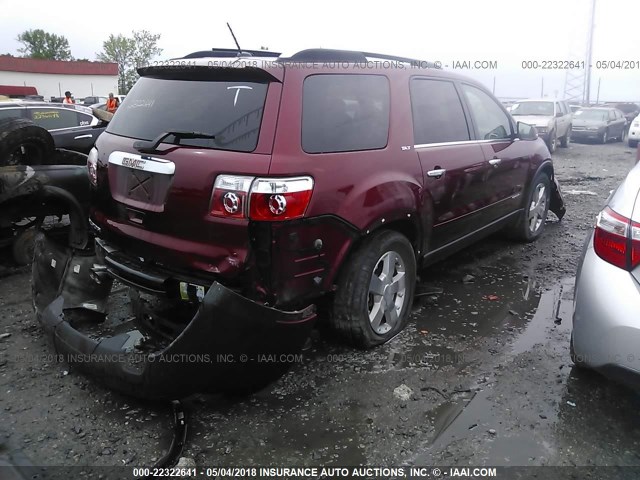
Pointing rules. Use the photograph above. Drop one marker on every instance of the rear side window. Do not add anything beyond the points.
(230, 110)
(437, 112)
(10, 113)
(342, 113)
(490, 120)
(54, 118)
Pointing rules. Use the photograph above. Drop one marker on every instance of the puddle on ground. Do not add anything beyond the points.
(464, 412)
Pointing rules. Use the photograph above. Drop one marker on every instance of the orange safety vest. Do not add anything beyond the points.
(111, 105)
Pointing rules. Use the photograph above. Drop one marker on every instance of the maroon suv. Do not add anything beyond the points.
(255, 186)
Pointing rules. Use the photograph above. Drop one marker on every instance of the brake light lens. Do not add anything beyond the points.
(280, 198)
(92, 166)
(617, 239)
(264, 199)
(230, 195)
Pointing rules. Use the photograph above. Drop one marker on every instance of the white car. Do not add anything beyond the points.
(634, 132)
(551, 117)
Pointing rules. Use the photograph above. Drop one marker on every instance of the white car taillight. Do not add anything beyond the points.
(617, 239)
(230, 196)
(280, 198)
(92, 166)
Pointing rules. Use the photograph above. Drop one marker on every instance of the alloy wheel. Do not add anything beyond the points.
(387, 291)
(538, 208)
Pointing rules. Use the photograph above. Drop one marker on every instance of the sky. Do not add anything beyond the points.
(508, 32)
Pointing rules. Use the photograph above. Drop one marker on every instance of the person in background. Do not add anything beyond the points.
(67, 97)
(112, 104)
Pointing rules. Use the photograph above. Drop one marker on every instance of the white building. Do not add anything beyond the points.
(52, 78)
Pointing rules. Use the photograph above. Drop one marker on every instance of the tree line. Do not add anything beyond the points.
(129, 52)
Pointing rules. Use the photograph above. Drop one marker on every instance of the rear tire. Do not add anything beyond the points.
(553, 142)
(375, 291)
(530, 223)
(24, 143)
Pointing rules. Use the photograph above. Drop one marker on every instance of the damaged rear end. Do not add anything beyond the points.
(158, 347)
(174, 295)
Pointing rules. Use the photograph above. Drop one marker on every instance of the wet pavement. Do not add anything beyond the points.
(481, 376)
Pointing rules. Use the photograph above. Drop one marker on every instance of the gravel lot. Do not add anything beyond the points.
(481, 376)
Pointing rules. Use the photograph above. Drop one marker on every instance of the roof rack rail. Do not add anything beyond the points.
(401, 59)
(325, 55)
(328, 55)
(231, 53)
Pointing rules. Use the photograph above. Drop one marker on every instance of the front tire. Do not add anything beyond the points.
(375, 291)
(564, 141)
(604, 138)
(530, 223)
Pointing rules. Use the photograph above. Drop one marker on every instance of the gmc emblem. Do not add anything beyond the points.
(133, 163)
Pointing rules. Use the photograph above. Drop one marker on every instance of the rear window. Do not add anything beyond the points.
(342, 113)
(230, 110)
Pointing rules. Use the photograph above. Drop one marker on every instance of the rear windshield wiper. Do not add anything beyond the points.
(150, 146)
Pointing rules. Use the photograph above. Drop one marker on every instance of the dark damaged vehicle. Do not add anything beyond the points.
(232, 195)
(38, 181)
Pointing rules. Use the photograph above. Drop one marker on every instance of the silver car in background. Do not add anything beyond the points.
(606, 318)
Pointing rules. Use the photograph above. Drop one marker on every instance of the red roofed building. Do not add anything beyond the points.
(52, 78)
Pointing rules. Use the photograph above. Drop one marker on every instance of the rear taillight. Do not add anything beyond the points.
(617, 239)
(280, 198)
(264, 199)
(230, 196)
(92, 166)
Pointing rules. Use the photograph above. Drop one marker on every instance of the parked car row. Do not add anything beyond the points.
(557, 121)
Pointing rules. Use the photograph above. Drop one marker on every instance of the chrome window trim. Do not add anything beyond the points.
(461, 142)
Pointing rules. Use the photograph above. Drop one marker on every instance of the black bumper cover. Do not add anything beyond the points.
(231, 344)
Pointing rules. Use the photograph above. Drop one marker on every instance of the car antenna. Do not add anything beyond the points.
(240, 52)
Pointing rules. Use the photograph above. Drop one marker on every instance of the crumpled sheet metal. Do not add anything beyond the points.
(231, 344)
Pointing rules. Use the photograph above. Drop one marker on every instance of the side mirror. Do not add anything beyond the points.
(526, 131)
(559, 114)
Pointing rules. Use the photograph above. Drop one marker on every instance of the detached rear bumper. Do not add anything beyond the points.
(231, 343)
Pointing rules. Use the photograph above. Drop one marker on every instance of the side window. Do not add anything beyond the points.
(84, 119)
(491, 121)
(10, 113)
(342, 113)
(612, 115)
(564, 108)
(437, 112)
(54, 118)
(558, 108)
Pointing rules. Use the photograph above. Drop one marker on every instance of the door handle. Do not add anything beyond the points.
(437, 173)
(80, 137)
(495, 161)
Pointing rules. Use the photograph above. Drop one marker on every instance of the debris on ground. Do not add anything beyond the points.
(403, 392)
